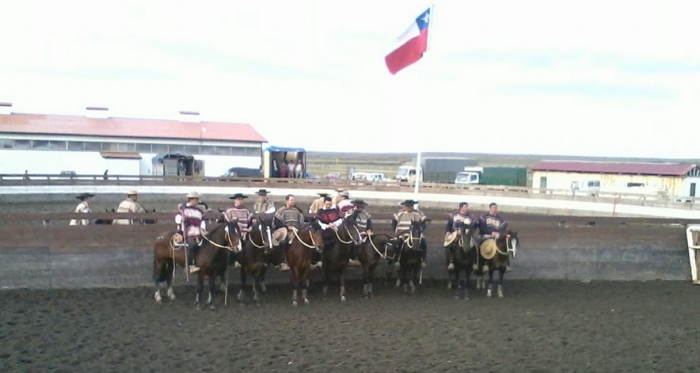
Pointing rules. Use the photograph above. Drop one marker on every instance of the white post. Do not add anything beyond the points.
(419, 175)
(692, 247)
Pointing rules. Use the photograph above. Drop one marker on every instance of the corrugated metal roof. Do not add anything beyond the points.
(127, 127)
(662, 169)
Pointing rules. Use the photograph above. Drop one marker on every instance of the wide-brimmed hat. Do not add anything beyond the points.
(339, 190)
(237, 196)
(131, 193)
(322, 194)
(450, 238)
(82, 196)
(488, 249)
(262, 192)
(359, 202)
(409, 202)
(345, 194)
(193, 195)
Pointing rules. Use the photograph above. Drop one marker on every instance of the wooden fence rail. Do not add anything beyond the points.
(38, 180)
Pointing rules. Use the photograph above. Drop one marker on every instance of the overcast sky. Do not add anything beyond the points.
(613, 78)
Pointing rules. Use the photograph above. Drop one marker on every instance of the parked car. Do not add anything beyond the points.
(243, 172)
(311, 175)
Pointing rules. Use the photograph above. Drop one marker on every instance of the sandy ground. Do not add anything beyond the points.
(539, 326)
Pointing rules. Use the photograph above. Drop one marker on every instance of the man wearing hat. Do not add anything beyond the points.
(287, 219)
(491, 226)
(337, 196)
(364, 224)
(317, 204)
(240, 213)
(455, 221)
(82, 208)
(263, 205)
(402, 222)
(129, 205)
(191, 223)
(344, 204)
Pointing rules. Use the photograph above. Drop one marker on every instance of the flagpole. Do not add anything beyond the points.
(419, 169)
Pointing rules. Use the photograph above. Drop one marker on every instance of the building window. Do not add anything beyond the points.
(632, 185)
(40, 145)
(93, 146)
(23, 144)
(57, 145)
(238, 151)
(191, 149)
(177, 148)
(6, 144)
(253, 152)
(208, 150)
(126, 147)
(160, 148)
(145, 148)
(223, 150)
(76, 146)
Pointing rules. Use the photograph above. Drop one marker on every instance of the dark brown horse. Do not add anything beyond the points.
(104, 221)
(256, 247)
(507, 245)
(143, 221)
(463, 256)
(370, 253)
(336, 252)
(168, 251)
(299, 255)
(410, 257)
(217, 251)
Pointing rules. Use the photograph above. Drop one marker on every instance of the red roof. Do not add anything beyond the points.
(662, 169)
(127, 127)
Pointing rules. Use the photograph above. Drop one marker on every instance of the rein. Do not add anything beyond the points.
(509, 249)
(352, 240)
(302, 241)
(369, 238)
(262, 238)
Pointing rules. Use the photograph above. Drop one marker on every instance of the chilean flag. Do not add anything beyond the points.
(410, 46)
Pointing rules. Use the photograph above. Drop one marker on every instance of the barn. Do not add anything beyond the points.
(672, 179)
(96, 143)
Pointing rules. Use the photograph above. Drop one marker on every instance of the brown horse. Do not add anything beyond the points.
(336, 252)
(299, 256)
(507, 245)
(143, 221)
(257, 245)
(463, 256)
(168, 251)
(410, 257)
(104, 221)
(370, 253)
(217, 251)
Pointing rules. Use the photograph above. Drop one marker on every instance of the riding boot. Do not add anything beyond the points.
(191, 255)
(424, 249)
(283, 262)
(448, 259)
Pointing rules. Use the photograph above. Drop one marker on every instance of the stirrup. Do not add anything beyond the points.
(193, 268)
(451, 267)
(284, 267)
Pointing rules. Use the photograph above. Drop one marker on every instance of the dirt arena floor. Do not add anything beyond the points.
(538, 327)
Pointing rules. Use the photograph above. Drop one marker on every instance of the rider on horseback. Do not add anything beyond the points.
(401, 223)
(344, 204)
(263, 205)
(330, 218)
(491, 226)
(190, 221)
(240, 213)
(455, 221)
(364, 224)
(287, 220)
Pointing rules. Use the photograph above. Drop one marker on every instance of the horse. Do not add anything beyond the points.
(370, 253)
(336, 252)
(212, 261)
(410, 257)
(257, 245)
(299, 256)
(463, 257)
(168, 251)
(507, 244)
(104, 221)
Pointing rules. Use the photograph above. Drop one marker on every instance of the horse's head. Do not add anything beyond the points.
(220, 219)
(315, 232)
(417, 227)
(512, 242)
(467, 232)
(350, 226)
(150, 221)
(233, 235)
(261, 231)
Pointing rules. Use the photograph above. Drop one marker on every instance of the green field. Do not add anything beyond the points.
(322, 163)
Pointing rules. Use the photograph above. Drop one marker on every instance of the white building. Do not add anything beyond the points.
(672, 179)
(93, 144)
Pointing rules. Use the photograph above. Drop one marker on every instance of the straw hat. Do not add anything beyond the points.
(488, 249)
(131, 193)
(193, 195)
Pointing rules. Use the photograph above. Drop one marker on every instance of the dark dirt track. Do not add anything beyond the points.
(539, 326)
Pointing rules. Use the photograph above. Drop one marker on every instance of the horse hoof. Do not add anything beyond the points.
(263, 288)
(294, 303)
(306, 301)
(449, 286)
(342, 299)
(158, 298)
(198, 307)
(500, 295)
(488, 294)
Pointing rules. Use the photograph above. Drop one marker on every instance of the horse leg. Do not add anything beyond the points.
(501, 271)
(414, 280)
(263, 287)
(241, 293)
(212, 289)
(157, 270)
(200, 287)
(458, 285)
(365, 280)
(169, 281)
(256, 284)
(467, 275)
(296, 284)
(490, 288)
(326, 279)
(342, 285)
